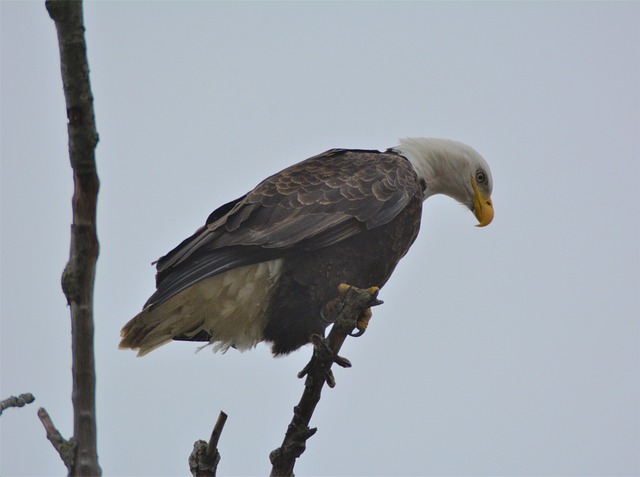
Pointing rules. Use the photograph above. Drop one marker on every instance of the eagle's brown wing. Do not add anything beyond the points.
(313, 204)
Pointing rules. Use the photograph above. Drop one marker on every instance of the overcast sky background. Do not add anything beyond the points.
(508, 350)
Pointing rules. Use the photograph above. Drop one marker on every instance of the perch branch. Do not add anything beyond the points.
(79, 274)
(344, 312)
(65, 448)
(204, 459)
(16, 401)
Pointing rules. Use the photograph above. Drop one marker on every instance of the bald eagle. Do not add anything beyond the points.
(264, 265)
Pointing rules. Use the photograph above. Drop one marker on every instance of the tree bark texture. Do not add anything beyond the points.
(79, 274)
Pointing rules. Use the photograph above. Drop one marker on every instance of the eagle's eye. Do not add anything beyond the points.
(480, 177)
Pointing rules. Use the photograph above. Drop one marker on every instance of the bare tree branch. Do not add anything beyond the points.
(204, 459)
(345, 311)
(66, 448)
(16, 401)
(79, 274)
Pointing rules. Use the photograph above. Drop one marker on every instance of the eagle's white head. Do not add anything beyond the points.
(454, 169)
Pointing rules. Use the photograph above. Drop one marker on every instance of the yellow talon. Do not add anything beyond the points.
(363, 321)
(343, 287)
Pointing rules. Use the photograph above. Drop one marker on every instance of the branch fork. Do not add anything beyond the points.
(204, 459)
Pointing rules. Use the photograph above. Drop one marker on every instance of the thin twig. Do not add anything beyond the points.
(204, 459)
(79, 274)
(66, 448)
(212, 449)
(16, 401)
(350, 304)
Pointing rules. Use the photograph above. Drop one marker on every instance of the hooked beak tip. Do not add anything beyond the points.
(484, 212)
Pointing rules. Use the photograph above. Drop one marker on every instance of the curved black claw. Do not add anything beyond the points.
(324, 318)
(357, 334)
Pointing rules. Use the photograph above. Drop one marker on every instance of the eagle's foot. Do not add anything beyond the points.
(363, 320)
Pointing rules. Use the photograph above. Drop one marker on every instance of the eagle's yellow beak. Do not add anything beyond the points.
(482, 206)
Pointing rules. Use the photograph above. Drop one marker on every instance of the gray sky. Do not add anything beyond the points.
(509, 350)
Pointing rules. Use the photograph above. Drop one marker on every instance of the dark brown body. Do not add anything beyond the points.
(310, 279)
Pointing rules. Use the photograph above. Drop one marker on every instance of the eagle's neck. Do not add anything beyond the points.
(439, 162)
